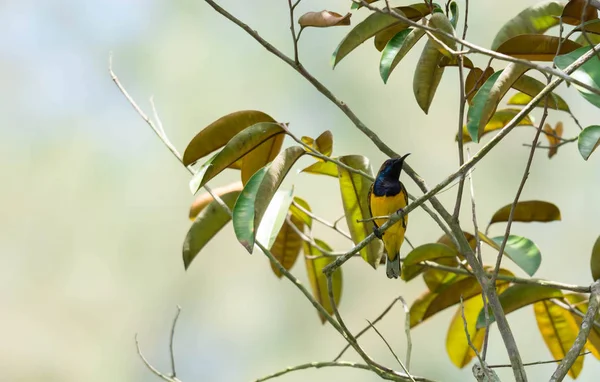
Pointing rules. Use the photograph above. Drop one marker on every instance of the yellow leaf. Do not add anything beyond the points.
(318, 280)
(457, 346)
(553, 136)
(497, 122)
(559, 330)
(580, 302)
(288, 244)
(355, 191)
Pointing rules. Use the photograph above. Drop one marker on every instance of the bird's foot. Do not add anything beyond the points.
(377, 233)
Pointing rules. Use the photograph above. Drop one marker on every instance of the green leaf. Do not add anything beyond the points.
(322, 168)
(440, 21)
(427, 75)
(536, 47)
(528, 211)
(431, 251)
(595, 260)
(238, 146)
(454, 13)
(532, 87)
(299, 214)
(366, 29)
(218, 133)
(287, 245)
(500, 119)
(271, 181)
(430, 303)
(274, 217)
(594, 39)
(518, 296)
(207, 224)
(522, 252)
(588, 73)
(396, 49)
(535, 19)
(588, 141)
(243, 211)
(355, 190)
(318, 280)
(489, 96)
(559, 330)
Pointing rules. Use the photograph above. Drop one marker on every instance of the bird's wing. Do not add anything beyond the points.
(369, 203)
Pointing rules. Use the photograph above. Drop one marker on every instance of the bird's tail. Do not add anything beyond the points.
(393, 267)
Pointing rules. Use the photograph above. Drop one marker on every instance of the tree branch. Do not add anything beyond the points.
(584, 332)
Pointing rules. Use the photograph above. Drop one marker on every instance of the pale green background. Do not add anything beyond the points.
(94, 208)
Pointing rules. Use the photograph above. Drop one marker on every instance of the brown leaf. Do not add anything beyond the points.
(536, 47)
(288, 244)
(572, 12)
(553, 136)
(475, 79)
(323, 19)
(204, 199)
(260, 156)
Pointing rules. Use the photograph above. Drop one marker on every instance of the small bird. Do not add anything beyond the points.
(386, 196)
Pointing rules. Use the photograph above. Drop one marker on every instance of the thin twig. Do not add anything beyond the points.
(322, 221)
(171, 352)
(315, 365)
(586, 325)
(293, 30)
(407, 330)
(538, 362)
(392, 351)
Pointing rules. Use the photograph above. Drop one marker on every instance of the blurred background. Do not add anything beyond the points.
(94, 208)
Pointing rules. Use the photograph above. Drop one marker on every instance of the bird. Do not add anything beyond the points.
(387, 195)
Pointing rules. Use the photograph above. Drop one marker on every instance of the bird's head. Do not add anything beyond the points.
(391, 168)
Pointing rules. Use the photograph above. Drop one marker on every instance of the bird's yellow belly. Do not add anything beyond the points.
(387, 205)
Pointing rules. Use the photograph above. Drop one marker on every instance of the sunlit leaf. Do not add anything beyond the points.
(571, 14)
(580, 302)
(536, 47)
(489, 96)
(288, 244)
(522, 252)
(475, 79)
(238, 146)
(535, 19)
(274, 217)
(323, 144)
(440, 21)
(323, 19)
(519, 295)
(553, 136)
(260, 156)
(396, 49)
(437, 278)
(207, 224)
(444, 239)
(413, 12)
(322, 168)
(559, 330)
(218, 133)
(594, 38)
(457, 346)
(595, 260)
(588, 73)
(355, 190)
(272, 179)
(588, 141)
(318, 280)
(430, 303)
(532, 87)
(299, 213)
(366, 29)
(500, 119)
(204, 199)
(427, 75)
(528, 211)
(431, 251)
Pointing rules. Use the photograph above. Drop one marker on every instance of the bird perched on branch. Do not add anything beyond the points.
(386, 196)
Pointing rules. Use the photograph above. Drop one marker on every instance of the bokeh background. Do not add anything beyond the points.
(94, 208)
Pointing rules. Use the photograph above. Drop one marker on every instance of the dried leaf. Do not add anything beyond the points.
(204, 199)
(288, 244)
(323, 19)
(318, 280)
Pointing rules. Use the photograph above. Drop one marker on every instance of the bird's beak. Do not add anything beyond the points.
(404, 157)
